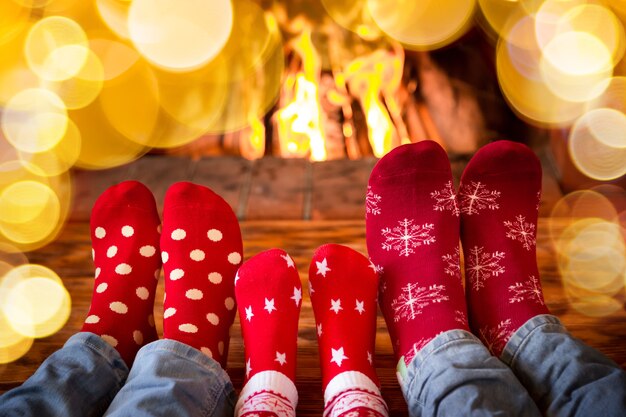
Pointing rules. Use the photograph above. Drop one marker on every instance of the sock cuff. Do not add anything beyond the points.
(264, 386)
(347, 381)
(356, 399)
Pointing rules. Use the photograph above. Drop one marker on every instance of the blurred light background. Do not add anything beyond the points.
(95, 84)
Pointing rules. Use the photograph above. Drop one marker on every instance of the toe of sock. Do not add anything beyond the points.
(424, 156)
(351, 264)
(503, 156)
(189, 194)
(126, 194)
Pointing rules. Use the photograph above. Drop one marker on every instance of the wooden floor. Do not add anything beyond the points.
(297, 206)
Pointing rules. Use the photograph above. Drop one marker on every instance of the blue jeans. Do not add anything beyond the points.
(543, 370)
(87, 377)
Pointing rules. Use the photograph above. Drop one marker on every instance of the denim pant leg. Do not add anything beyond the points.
(564, 376)
(80, 379)
(169, 378)
(455, 375)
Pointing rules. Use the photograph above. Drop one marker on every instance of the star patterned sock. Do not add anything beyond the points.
(412, 223)
(201, 250)
(343, 288)
(125, 237)
(269, 297)
(499, 198)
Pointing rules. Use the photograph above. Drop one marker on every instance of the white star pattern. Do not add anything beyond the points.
(281, 358)
(319, 329)
(248, 368)
(287, 258)
(445, 199)
(369, 357)
(360, 306)
(236, 277)
(482, 266)
(338, 356)
(297, 295)
(521, 231)
(311, 290)
(336, 305)
(407, 236)
(249, 313)
(474, 197)
(269, 306)
(322, 267)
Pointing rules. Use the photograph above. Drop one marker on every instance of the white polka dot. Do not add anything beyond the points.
(138, 337)
(177, 274)
(142, 292)
(197, 255)
(229, 303)
(165, 256)
(215, 235)
(92, 319)
(102, 288)
(169, 312)
(123, 269)
(215, 277)
(188, 328)
(112, 251)
(128, 231)
(179, 234)
(194, 294)
(98, 270)
(118, 307)
(93, 253)
(213, 319)
(147, 251)
(206, 351)
(100, 232)
(151, 320)
(234, 258)
(109, 339)
(220, 347)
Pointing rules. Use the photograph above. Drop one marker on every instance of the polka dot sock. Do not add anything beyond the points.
(412, 223)
(201, 249)
(343, 288)
(125, 237)
(499, 199)
(269, 297)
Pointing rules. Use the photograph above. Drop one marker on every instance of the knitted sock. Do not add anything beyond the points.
(343, 289)
(499, 195)
(413, 241)
(201, 249)
(125, 237)
(269, 297)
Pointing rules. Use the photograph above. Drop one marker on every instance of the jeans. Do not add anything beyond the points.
(543, 370)
(87, 377)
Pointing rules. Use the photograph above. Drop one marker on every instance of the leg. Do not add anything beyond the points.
(80, 379)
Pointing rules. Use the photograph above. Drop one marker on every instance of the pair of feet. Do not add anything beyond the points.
(415, 220)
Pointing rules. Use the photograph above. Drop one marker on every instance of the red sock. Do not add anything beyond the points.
(201, 249)
(499, 195)
(125, 237)
(343, 289)
(413, 241)
(269, 297)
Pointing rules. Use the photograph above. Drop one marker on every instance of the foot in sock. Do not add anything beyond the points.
(498, 197)
(343, 288)
(412, 225)
(269, 297)
(125, 237)
(201, 249)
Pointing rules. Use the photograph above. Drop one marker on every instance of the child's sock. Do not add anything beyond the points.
(125, 237)
(269, 297)
(343, 289)
(201, 250)
(499, 195)
(413, 241)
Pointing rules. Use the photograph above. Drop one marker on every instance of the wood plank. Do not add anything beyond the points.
(87, 187)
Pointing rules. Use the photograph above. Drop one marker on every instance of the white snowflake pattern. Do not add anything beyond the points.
(495, 338)
(407, 236)
(445, 199)
(376, 268)
(417, 346)
(453, 263)
(530, 289)
(521, 231)
(538, 199)
(371, 202)
(475, 197)
(460, 317)
(482, 266)
(413, 299)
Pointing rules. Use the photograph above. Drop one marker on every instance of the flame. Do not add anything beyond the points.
(253, 146)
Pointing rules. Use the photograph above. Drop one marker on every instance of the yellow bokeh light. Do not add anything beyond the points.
(50, 48)
(180, 36)
(354, 16)
(15, 75)
(13, 18)
(34, 120)
(116, 58)
(426, 24)
(114, 13)
(12, 344)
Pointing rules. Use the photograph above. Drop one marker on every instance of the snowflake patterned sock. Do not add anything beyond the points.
(343, 288)
(269, 297)
(499, 199)
(412, 222)
(201, 249)
(125, 237)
